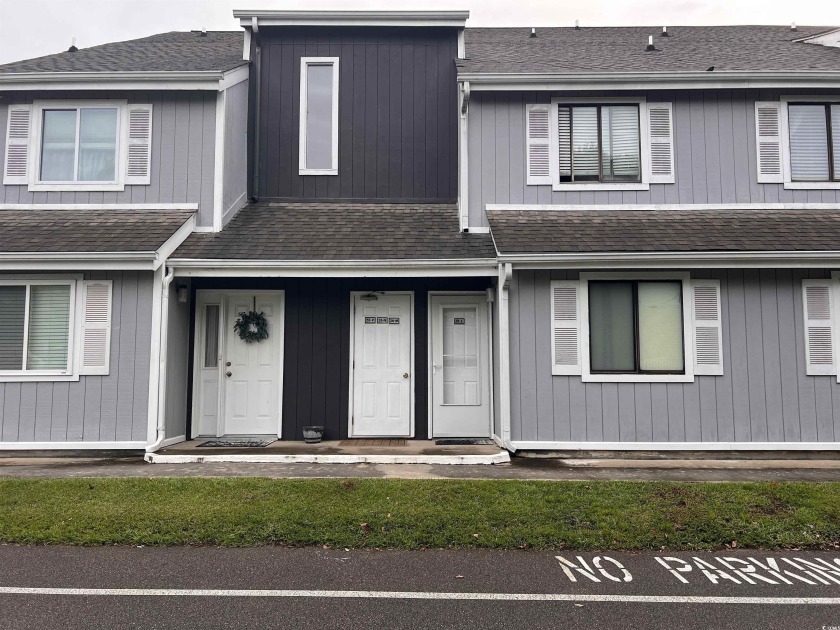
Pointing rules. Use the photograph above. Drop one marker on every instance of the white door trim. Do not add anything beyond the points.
(430, 401)
(351, 392)
(198, 345)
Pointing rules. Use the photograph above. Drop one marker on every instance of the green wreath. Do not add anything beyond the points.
(251, 326)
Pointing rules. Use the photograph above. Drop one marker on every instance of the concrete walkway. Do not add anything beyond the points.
(518, 468)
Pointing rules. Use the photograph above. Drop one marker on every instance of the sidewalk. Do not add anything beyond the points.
(519, 468)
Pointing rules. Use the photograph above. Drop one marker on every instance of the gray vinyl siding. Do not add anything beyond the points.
(178, 361)
(235, 184)
(764, 394)
(714, 153)
(397, 131)
(94, 408)
(183, 151)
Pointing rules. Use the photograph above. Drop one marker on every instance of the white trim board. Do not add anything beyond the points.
(502, 457)
(71, 446)
(652, 207)
(269, 17)
(521, 445)
(128, 81)
(337, 269)
(47, 207)
(671, 260)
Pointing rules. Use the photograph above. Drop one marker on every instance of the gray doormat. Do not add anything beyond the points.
(238, 443)
(464, 442)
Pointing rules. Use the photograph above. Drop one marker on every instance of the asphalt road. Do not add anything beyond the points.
(314, 588)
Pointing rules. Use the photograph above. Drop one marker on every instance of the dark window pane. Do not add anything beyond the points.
(808, 143)
(585, 144)
(211, 336)
(620, 156)
(12, 313)
(611, 327)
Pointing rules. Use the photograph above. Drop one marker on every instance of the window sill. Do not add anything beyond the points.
(38, 378)
(600, 186)
(76, 187)
(315, 171)
(637, 378)
(812, 185)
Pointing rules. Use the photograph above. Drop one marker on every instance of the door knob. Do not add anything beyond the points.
(228, 374)
(405, 374)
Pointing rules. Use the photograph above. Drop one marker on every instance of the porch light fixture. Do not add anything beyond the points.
(182, 293)
(369, 297)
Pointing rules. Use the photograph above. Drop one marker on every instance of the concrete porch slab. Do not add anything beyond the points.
(333, 452)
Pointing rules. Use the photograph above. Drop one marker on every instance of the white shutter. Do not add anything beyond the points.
(660, 143)
(818, 305)
(17, 145)
(538, 150)
(708, 338)
(96, 326)
(565, 327)
(139, 160)
(768, 138)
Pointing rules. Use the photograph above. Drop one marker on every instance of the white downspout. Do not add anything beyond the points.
(505, 273)
(162, 355)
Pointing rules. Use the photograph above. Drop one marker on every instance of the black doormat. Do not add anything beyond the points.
(464, 442)
(238, 443)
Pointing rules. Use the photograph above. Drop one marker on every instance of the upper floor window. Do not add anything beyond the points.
(79, 145)
(599, 143)
(814, 130)
(798, 142)
(319, 116)
(97, 145)
(580, 144)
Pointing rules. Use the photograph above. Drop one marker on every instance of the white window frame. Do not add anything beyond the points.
(785, 131)
(72, 371)
(688, 332)
(305, 62)
(554, 144)
(38, 109)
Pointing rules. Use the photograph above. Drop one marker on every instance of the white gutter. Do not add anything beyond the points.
(728, 79)
(505, 274)
(352, 264)
(166, 80)
(160, 390)
(673, 259)
(353, 18)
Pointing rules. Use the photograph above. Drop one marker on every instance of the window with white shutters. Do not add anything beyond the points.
(95, 145)
(814, 140)
(768, 142)
(708, 337)
(818, 302)
(538, 149)
(565, 327)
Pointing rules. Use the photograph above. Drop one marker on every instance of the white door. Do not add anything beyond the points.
(252, 371)
(460, 366)
(382, 379)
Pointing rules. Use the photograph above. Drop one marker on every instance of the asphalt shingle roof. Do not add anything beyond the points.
(555, 232)
(167, 52)
(622, 49)
(340, 231)
(87, 231)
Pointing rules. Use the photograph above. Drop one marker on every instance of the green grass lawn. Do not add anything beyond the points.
(408, 514)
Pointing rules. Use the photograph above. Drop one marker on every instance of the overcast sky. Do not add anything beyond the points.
(31, 28)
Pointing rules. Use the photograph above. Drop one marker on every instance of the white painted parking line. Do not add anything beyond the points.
(504, 597)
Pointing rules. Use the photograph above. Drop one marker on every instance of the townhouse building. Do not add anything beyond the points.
(392, 225)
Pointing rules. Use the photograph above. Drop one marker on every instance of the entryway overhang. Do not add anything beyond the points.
(400, 268)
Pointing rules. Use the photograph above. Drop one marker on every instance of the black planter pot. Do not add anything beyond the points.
(313, 435)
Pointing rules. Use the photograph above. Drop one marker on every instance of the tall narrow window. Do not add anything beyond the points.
(211, 336)
(319, 116)
(814, 142)
(599, 143)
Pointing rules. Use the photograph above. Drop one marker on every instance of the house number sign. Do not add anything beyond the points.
(382, 320)
(460, 321)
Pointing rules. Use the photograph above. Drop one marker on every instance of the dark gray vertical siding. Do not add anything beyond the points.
(397, 134)
(714, 151)
(183, 151)
(763, 395)
(94, 408)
